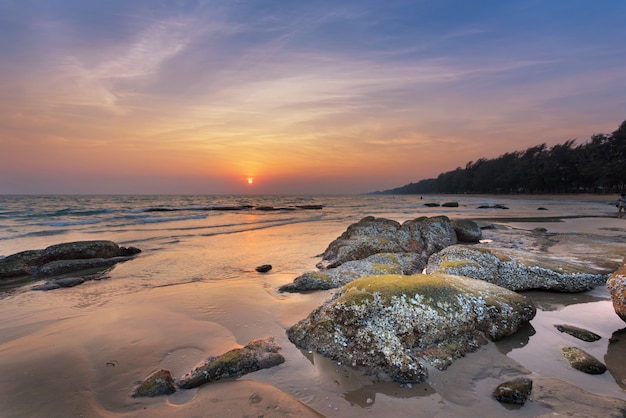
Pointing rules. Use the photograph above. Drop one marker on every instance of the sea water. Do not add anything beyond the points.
(205, 237)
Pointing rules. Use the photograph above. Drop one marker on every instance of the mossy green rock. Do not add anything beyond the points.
(393, 324)
(583, 361)
(515, 270)
(258, 354)
(157, 384)
(377, 264)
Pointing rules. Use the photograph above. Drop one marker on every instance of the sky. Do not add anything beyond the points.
(294, 97)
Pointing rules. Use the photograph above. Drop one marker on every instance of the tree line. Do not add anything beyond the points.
(596, 166)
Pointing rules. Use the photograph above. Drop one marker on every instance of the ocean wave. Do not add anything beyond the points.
(73, 223)
(170, 219)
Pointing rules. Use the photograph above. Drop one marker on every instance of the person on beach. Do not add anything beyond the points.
(621, 205)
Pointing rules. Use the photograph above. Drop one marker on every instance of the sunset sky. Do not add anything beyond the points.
(302, 97)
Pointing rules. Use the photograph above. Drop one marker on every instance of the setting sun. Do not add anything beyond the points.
(250, 180)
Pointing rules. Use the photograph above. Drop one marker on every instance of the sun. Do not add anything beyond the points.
(250, 180)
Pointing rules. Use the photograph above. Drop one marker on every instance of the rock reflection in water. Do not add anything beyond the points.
(615, 358)
(366, 396)
(554, 301)
(517, 340)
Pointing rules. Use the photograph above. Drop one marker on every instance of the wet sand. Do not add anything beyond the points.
(81, 353)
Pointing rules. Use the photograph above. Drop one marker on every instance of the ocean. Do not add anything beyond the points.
(193, 292)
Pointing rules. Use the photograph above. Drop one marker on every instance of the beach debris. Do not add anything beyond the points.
(256, 355)
(157, 384)
(580, 333)
(394, 324)
(583, 361)
(514, 391)
(617, 288)
(264, 268)
(61, 259)
(515, 270)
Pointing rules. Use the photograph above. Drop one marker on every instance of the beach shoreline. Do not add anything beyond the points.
(81, 351)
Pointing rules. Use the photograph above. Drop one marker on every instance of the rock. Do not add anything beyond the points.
(515, 270)
(59, 259)
(80, 250)
(264, 268)
(514, 391)
(59, 283)
(13, 268)
(580, 333)
(128, 251)
(392, 324)
(496, 206)
(379, 235)
(258, 354)
(542, 209)
(47, 286)
(467, 230)
(377, 264)
(617, 287)
(450, 204)
(55, 268)
(157, 384)
(432, 205)
(580, 360)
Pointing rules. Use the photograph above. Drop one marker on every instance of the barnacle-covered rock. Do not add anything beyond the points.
(379, 235)
(514, 391)
(617, 287)
(258, 354)
(394, 324)
(377, 264)
(514, 269)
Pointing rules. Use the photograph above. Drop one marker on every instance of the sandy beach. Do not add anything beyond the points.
(80, 352)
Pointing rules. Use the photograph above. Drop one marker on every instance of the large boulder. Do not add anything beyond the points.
(393, 324)
(515, 270)
(379, 235)
(616, 284)
(377, 264)
(467, 230)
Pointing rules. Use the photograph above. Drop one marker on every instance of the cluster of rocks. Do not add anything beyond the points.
(56, 261)
(256, 355)
(423, 293)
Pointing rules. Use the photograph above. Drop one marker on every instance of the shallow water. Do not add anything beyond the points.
(193, 292)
